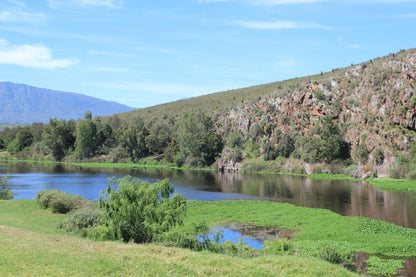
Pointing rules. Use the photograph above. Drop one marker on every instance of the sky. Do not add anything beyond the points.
(145, 53)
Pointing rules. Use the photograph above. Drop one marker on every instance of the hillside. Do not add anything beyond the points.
(373, 103)
(26, 104)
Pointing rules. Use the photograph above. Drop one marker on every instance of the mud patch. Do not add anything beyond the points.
(252, 235)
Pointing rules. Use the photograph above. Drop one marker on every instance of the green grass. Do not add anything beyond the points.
(393, 184)
(316, 229)
(314, 226)
(26, 214)
(331, 177)
(32, 246)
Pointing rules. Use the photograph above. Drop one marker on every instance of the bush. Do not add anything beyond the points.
(361, 153)
(379, 156)
(269, 151)
(5, 193)
(61, 202)
(137, 210)
(334, 255)
(81, 220)
(278, 246)
(413, 101)
(100, 233)
(286, 145)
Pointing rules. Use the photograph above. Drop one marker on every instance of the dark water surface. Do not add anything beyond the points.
(343, 197)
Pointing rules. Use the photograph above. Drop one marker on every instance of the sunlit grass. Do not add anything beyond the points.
(34, 247)
(393, 184)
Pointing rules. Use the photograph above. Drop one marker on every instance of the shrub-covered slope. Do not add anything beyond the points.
(372, 104)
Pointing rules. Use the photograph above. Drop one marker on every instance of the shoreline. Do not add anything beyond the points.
(383, 183)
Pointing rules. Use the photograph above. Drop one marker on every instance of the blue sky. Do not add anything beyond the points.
(144, 53)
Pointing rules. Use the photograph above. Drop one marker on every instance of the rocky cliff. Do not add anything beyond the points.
(373, 102)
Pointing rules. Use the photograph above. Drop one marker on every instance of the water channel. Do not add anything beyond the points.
(343, 197)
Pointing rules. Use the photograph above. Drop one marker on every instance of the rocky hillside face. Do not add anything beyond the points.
(374, 104)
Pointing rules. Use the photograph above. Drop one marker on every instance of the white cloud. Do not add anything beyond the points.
(113, 4)
(21, 16)
(267, 2)
(281, 24)
(354, 46)
(17, 3)
(37, 56)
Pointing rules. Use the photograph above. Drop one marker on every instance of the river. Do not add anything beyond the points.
(344, 197)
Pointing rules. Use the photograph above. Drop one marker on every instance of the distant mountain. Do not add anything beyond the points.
(21, 103)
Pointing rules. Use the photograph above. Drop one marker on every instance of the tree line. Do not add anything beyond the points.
(193, 140)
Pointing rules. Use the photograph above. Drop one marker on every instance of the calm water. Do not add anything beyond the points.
(343, 197)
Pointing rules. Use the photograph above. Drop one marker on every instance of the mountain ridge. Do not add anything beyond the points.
(22, 103)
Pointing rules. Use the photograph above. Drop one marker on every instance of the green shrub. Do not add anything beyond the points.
(45, 197)
(61, 202)
(286, 145)
(379, 156)
(278, 246)
(269, 151)
(349, 170)
(5, 192)
(137, 210)
(335, 255)
(81, 220)
(413, 101)
(100, 233)
(361, 153)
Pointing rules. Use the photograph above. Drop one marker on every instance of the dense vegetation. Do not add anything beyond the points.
(5, 192)
(359, 121)
(193, 140)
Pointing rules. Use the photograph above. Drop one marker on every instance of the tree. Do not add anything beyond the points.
(158, 139)
(133, 141)
(269, 151)
(36, 129)
(198, 142)
(86, 137)
(23, 139)
(5, 193)
(332, 145)
(137, 210)
(59, 137)
(105, 137)
(286, 145)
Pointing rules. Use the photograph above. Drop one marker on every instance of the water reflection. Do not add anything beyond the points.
(343, 197)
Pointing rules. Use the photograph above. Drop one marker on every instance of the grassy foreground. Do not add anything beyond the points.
(32, 246)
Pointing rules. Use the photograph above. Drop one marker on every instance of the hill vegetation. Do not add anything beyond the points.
(359, 121)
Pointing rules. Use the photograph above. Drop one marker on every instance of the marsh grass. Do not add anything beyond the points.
(316, 229)
(393, 184)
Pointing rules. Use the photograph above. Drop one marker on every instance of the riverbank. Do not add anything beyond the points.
(381, 183)
(32, 245)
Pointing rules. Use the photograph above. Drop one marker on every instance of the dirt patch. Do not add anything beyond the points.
(260, 233)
